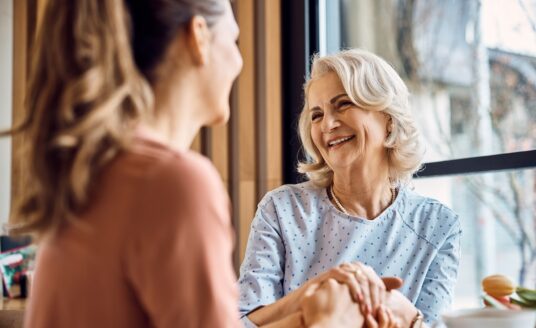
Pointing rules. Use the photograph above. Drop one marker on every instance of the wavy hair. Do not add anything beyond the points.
(89, 84)
(372, 84)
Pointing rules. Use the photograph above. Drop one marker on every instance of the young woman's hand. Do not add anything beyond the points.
(329, 304)
(384, 319)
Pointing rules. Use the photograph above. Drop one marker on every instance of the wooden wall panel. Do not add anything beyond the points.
(244, 200)
(19, 81)
(219, 151)
(20, 67)
(273, 101)
(197, 143)
(256, 147)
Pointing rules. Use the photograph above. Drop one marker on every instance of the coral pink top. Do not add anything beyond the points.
(153, 250)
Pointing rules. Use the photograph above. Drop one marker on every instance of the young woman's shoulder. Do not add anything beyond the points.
(155, 164)
(167, 183)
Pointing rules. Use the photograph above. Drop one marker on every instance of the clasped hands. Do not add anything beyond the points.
(353, 295)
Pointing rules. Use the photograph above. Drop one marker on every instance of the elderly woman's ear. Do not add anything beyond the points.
(198, 38)
(390, 125)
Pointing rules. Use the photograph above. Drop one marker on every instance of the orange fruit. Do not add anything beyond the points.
(498, 286)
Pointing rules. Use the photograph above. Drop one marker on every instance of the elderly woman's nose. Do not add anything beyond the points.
(329, 122)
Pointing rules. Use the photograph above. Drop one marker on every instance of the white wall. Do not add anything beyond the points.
(6, 66)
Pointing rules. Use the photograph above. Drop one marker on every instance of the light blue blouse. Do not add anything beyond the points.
(297, 234)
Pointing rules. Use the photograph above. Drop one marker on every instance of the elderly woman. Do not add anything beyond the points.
(356, 214)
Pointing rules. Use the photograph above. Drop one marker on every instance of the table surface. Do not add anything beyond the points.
(12, 304)
(12, 312)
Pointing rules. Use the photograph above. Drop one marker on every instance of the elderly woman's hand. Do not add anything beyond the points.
(404, 312)
(366, 287)
(370, 284)
(342, 274)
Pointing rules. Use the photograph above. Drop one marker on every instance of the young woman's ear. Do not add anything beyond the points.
(199, 39)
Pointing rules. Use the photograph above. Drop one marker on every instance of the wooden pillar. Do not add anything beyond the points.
(243, 128)
(255, 128)
(25, 13)
(269, 102)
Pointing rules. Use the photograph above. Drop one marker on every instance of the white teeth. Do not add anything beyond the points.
(338, 141)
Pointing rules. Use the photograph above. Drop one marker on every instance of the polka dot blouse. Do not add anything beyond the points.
(298, 234)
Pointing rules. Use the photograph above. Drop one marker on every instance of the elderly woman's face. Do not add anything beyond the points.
(345, 134)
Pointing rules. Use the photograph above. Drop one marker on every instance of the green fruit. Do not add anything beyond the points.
(523, 303)
(528, 295)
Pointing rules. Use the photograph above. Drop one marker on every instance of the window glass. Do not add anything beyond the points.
(471, 69)
(496, 211)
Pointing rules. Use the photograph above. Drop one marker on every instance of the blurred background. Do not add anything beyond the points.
(470, 66)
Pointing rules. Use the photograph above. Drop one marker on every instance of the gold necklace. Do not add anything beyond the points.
(339, 205)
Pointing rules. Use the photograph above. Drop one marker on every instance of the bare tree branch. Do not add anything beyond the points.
(496, 192)
(518, 215)
(502, 219)
(529, 18)
(404, 40)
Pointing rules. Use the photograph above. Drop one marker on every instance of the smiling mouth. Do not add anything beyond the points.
(339, 141)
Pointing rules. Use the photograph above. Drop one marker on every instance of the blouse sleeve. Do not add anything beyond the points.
(179, 253)
(437, 292)
(261, 272)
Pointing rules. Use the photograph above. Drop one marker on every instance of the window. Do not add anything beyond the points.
(496, 212)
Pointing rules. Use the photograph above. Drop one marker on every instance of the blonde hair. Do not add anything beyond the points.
(372, 84)
(88, 87)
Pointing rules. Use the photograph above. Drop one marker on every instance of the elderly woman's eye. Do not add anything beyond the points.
(315, 116)
(344, 104)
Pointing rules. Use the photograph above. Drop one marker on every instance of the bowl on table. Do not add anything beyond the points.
(489, 318)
